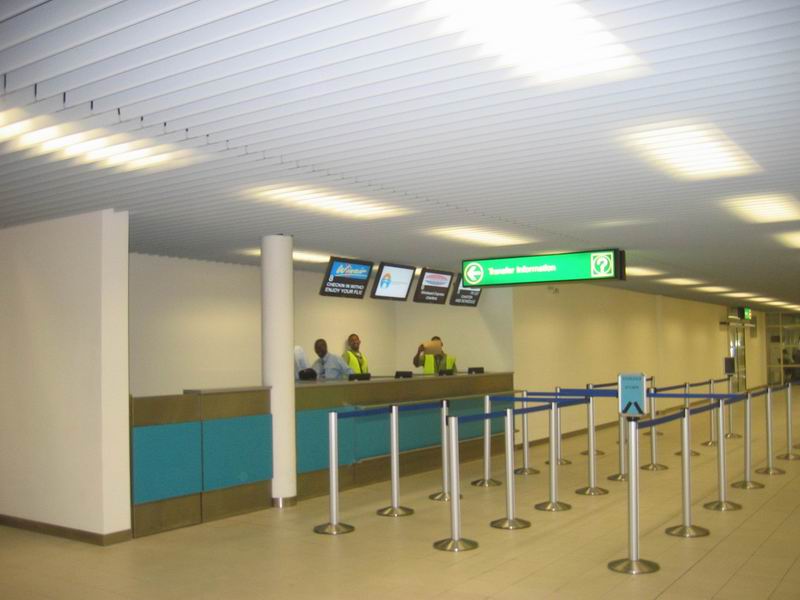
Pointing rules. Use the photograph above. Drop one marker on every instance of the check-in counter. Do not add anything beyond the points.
(207, 454)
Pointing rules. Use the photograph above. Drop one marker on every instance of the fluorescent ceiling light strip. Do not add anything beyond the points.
(480, 236)
(680, 281)
(764, 208)
(713, 289)
(762, 299)
(789, 238)
(327, 201)
(642, 272)
(739, 295)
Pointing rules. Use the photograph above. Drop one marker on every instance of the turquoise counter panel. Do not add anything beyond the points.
(236, 451)
(312, 439)
(166, 461)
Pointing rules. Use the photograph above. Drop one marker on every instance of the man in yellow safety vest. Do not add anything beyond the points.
(354, 358)
(432, 357)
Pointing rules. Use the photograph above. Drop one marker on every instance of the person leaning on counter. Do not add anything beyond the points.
(355, 359)
(329, 366)
(432, 357)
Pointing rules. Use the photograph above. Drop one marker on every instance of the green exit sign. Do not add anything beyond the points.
(745, 313)
(544, 268)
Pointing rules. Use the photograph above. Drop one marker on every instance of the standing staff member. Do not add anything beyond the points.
(432, 357)
(353, 357)
(328, 366)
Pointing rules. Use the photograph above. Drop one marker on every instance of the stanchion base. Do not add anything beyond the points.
(509, 524)
(591, 491)
(747, 485)
(647, 432)
(485, 483)
(654, 467)
(618, 477)
(691, 453)
(526, 471)
(684, 531)
(395, 511)
(633, 567)
(556, 506)
(560, 462)
(451, 545)
(442, 497)
(333, 529)
(596, 452)
(770, 471)
(722, 505)
(732, 436)
(709, 444)
(788, 456)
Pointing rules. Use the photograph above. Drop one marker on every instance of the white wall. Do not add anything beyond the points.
(64, 451)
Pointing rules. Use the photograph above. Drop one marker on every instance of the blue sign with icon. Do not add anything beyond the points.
(632, 393)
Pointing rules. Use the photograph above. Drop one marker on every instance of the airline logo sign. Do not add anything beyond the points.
(544, 268)
(432, 287)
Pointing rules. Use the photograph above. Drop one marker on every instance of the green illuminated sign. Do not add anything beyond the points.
(745, 313)
(544, 268)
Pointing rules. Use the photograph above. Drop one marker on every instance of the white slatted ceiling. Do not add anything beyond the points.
(369, 97)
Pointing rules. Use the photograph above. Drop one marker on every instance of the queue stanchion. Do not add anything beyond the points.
(622, 475)
(633, 396)
(526, 468)
(722, 503)
(747, 483)
(394, 509)
(653, 465)
(686, 529)
(553, 505)
(731, 435)
(712, 424)
(686, 405)
(444, 495)
(770, 469)
(561, 460)
(486, 480)
(455, 543)
(591, 454)
(590, 406)
(510, 521)
(653, 430)
(333, 527)
(789, 455)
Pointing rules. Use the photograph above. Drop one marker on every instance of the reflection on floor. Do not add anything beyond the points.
(752, 553)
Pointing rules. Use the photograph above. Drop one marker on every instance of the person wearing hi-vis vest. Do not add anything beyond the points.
(432, 357)
(354, 358)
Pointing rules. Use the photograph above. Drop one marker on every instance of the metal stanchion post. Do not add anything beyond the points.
(686, 405)
(455, 543)
(722, 503)
(789, 455)
(686, 529)
(444, 495)
(486, 480)
(712, 423)
(561, 459)
(747, 483)
(653, 414)
(633, 565)
(653, 465)
(510, 521)
(731, 435)
(333, 527)
(592, 489)
(622, 475)
(553, 505)
(395, 510)
(770, 469)
(590, 399)
(526, 468)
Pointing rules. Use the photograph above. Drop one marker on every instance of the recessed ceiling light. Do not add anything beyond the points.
(739, 295)
(619, 223)
(790, 238)
(550, 40)
(418, 271)
(759, 208)
(691, 150)
(713, 289)
(642, 272)
(327, 201)
(480, 236)
(309, 257)
(680, 281)
(762, 299)
(778, 303)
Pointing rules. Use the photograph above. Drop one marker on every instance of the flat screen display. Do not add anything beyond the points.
(432, 286)
(392, 282)
(346, 278)
(464, 296)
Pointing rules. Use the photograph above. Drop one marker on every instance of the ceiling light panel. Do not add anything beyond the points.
(309, 257)
(739, 295)
(327, 201)
(480, 236)
(691, 151)
(680, 281)
(642, 272)
(760, 208)
(762, 299)
(713, 289)
(789, 238)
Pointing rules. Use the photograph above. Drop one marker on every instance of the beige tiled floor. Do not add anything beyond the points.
(753, 553)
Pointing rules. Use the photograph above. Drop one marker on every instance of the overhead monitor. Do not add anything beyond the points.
(392, 282)
(432, 286)
(346, 278)
(464, 296)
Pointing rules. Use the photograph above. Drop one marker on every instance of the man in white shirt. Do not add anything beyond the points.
(329, 366)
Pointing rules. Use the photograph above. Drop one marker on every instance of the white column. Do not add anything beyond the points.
(277, 361)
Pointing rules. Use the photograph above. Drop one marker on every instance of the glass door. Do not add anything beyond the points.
(738, 350)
